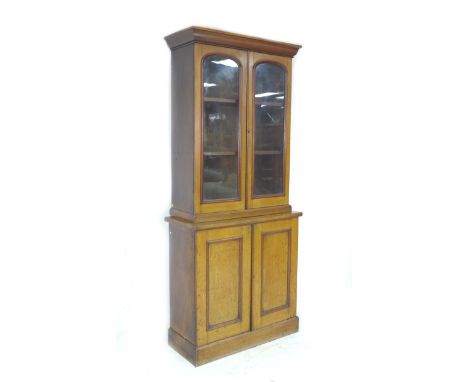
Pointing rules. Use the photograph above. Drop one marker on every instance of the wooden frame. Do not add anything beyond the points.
(266, 200)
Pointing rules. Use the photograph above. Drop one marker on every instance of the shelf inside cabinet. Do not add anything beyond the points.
(221, 100)
(269, 125)
(268, 152)
(259, 102)
(219, 153)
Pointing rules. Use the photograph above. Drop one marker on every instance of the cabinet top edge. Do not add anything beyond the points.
(231, 40)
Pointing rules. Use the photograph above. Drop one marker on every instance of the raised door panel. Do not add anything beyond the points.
(223, 283)
(268, 126)
(274, 272)
(220, 129)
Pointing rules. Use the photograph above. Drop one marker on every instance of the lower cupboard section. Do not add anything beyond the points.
(231, 287)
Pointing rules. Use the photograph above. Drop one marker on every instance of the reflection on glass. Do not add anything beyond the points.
(270, 84)
(220, 128)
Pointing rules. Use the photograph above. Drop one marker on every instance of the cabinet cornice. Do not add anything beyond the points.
(230, 40)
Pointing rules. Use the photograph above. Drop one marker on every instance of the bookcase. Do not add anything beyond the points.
(233, 235)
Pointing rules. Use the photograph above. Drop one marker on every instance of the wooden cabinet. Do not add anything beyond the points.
(233, 234)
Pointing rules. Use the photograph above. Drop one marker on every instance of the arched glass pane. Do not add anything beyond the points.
(220, 128)
(270, 85)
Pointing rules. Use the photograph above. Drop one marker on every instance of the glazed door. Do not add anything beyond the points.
(220, 128)
(274, 272)
(268, 128)
(223, 283)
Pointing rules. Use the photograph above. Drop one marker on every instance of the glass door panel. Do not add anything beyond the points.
(270, 84)
(221, 129)
(268, 130)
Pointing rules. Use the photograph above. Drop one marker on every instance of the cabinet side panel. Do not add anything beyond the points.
(182, 128)
(182, 281)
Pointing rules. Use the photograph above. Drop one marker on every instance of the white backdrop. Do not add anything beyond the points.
(379, 166)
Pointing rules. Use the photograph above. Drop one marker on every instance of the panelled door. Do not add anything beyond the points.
(274, 272)
(268, 126)
(223, 282)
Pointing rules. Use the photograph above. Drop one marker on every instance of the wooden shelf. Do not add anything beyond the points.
(269, 125)
(268, 152)
(221, 100)
(219, 153)
(259, 102)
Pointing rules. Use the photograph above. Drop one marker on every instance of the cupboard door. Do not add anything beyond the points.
(274, 272)
(268, 130)
(223, 283)
(220, 128)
